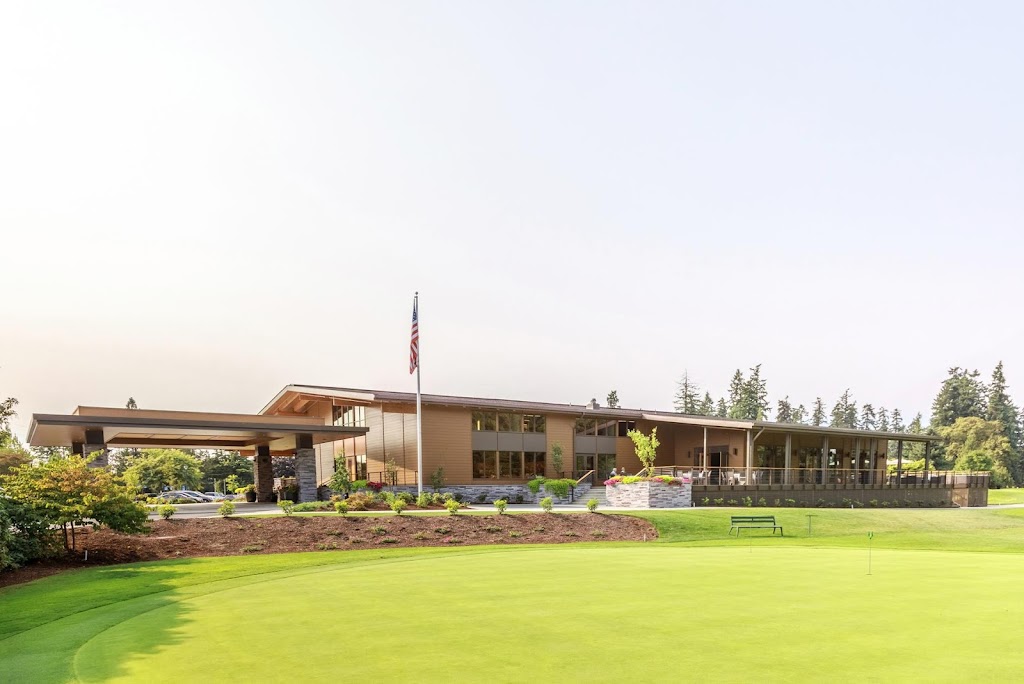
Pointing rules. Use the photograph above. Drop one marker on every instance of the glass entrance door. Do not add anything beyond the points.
(605, 463)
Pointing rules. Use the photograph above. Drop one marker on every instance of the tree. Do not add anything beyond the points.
(784, 413)
(131, 403)
(818, 416)
(755, 395)
(612, 400)
(283, 466)
(556, 458)
(646, 447)
(1001, 409)
(66, 492)
(340, 481)
(687, 391)
(707, 405)
(883, 419)
(7, 412)
(897, 421)
(49, 453)
(11, 458)
(972, 441)
(736, 389)
(721, 410)
(868, 420)
(220, 465)
(962, 395)
(159, 469)
(800, 414)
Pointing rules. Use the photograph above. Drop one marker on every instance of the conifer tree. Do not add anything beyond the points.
(800, 414)
(962, 395)
(687, 393)
(755, 395)
(784, 413)
(736, 387)
(883, 419)
(818, 415)
(707, 406)
(897, 421)
(612, 400)
(868, 420)
(844, 412)
(1000, 408)
(721, 410)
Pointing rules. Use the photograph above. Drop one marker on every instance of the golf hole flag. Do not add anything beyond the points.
(414, 342)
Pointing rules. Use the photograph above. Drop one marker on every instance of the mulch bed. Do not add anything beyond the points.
(195, 537)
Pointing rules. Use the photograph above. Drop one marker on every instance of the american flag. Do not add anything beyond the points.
(414, 343)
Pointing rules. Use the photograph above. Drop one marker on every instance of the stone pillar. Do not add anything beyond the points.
(305, 467)
(263, 473)
(94, 450)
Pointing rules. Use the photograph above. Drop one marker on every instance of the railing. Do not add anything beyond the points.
(402, 478)
(847, 477)
(587, 475)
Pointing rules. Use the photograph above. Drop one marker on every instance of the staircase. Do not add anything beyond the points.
(595, 493)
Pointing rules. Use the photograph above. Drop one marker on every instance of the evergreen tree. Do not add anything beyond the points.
(818, 415)
(868, 420)
(131, 403)
(1000, 408)
(687, 393)
(883, 419)
(962, 395)
(721, 410)
(844, 412)
(736, 386)
(800, 414)
(707, 406)
(755, 395)
(612, 400)
(784, 413)
(897, 421)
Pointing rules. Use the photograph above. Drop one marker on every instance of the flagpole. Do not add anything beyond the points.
(419, 414)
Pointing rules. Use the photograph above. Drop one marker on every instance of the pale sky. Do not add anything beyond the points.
(202, 202)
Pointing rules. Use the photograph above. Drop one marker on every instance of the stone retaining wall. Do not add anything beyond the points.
(649, 494)
(833, 496)
(509, 492)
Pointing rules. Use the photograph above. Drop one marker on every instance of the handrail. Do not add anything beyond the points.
(588, 474)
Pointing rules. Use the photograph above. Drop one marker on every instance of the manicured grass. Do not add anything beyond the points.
(694, 605)
(1005, 496)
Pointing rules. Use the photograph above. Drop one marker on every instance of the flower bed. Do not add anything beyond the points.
(660, 491)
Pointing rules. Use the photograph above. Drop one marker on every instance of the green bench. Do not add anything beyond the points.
(754, 522)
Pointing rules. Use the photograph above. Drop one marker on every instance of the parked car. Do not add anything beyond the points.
(199, 496)
(217, 496)
(193, 497)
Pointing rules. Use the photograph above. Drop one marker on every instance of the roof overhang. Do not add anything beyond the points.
(700, 421)
(845, 432)
(182, 430)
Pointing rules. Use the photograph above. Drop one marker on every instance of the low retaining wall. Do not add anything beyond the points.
(837, 496)
(513, 493)
(649, 494)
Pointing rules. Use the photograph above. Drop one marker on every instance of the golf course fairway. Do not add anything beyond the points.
(579, 613)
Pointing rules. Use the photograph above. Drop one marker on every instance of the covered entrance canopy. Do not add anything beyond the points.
(91, 430)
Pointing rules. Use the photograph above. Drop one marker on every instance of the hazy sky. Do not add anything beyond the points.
(202, 202)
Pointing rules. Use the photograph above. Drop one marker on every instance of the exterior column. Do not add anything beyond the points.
(856, 461)
(927, 455)
(824, 460)
(787, 478)
(94, 450)
(750, 455)
(263, 473)
(704, 456)
(305, 467)
(899, 462)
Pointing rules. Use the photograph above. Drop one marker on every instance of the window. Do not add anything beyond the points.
(485, 421)
(360, 467)
(349, 416)
(625, 426)
(510, 422)
(510, 464)
(585, 426)
(534, 423)
(485, 464)
(770, 456)
(607, 428)
(533, 464)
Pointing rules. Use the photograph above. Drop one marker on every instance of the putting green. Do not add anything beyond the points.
(587, 613)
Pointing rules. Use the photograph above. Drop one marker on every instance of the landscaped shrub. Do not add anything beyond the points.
(748, 502)
(358, 484)
(547, 504)
(359, 501)
(378, 530)
(763, 502)
(592, 505)
(398, 505)
(458, 497)
(375, 486)
(226, 509)
(340, 507)
(453, 506)
(423, 500)
(791, 502)
(534, 485)
(286, 506)
(388, 497)
(705, 501)
(500, 504)
(312, 506)
(437, 480)
(166, 511)
(720, 501)
(408, 498)
(559, 488)
(437, 498)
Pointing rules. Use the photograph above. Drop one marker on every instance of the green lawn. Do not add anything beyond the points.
(695, 605)
(1005, 496)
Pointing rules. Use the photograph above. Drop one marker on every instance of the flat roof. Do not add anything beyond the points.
(143, 428)
(288, 396)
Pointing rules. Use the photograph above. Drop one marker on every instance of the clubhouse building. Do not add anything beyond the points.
(495, 445)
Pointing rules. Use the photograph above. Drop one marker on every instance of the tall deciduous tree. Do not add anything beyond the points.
(962, 395)
(687, 395)
(977, 444)
(7, 412)
(158, 469)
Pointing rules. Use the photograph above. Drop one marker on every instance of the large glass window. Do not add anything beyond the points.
(770, 456)
(607, 428)
(510, 422)
(485, 464)
(510, 464)
(534, 423)
(533, 464)
(349, 416)
(485, 421)
(625, 426)
(586, 426)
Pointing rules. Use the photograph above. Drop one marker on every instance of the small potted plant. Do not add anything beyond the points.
(249, 491)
